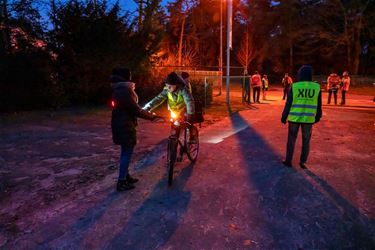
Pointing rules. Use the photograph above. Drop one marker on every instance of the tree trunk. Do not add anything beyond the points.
(5, 29)
(140, 15)
(180, 43)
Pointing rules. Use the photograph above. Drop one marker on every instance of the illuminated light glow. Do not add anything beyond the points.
(113, 104)
(218, 135)
(173, 115)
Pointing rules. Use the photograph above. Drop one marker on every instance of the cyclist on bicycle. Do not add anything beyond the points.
(179, 99)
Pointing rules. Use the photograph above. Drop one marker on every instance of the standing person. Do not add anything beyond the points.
(286, 82)
(256, 82)
(345, 81)
(124, 122)
(264, 86)
(246, 88)
(303, 108)
(185, 76)
(333, 84)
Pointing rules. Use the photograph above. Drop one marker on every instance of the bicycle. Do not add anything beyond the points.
(179, 144)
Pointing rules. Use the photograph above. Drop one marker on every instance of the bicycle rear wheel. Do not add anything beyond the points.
(192, 149)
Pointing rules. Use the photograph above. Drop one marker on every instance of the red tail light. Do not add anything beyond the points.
(113, 104)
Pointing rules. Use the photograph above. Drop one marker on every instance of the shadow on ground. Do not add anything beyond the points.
(299, 209)
(158, 217)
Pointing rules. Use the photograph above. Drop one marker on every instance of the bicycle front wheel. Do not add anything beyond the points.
(173, 145)
(192, 147)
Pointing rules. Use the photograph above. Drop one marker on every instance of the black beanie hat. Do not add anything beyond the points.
(174, 79)
(184, 75)
(123, 73)
(305, 73)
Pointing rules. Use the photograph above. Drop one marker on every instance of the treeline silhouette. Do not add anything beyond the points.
(56, 53)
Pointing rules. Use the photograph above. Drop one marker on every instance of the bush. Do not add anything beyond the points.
(26, 82)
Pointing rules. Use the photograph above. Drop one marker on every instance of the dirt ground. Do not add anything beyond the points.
(58, 172)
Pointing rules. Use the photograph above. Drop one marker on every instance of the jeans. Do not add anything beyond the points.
(246, 93)
(126, 154)
(334, 95)
(343, 92)
(292, 136)
(256, 94)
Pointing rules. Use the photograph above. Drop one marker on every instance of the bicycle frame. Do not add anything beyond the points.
(177, 146)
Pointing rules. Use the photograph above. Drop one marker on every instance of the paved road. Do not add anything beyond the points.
(236, 196)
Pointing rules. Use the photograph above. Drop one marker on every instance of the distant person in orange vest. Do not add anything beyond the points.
(256, 82)
(345, 83)
(286, 82)
(333, 84)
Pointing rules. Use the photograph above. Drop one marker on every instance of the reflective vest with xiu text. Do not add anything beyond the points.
(305, 102)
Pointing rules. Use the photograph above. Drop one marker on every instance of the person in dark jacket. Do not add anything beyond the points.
(303, 108)
(124, 122)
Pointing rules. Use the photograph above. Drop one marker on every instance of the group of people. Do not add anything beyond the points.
(335, 83)
(257, 82)
(125, 111)
(303, 108)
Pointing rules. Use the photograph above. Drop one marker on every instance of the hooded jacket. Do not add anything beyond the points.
(304, 75)
(125, 113)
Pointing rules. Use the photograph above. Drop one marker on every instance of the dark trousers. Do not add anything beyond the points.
(343, 92)
(330, 91)
(246, 93)
(292, 136)
(256, 94)
(285, 92)
(126, 154)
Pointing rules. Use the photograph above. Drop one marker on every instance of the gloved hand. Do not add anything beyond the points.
(190, 118)
(283, 120)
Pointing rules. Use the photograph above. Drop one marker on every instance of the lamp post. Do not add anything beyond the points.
(221, 47)
(229, 46)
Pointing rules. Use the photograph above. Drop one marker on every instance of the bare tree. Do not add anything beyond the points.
(246, 52)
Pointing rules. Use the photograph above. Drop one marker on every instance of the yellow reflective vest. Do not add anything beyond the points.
(178, 105)
(305, 102)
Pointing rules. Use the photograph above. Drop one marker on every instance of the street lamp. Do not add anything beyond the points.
(229, 45)
(221, 47)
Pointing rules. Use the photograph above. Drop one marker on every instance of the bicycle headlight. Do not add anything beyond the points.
(173, 115)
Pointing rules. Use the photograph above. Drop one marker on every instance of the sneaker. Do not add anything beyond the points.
(288, 164)
(131, 179)
(123, 185)
(302, 165)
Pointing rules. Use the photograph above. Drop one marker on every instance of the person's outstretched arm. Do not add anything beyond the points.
(157, 101)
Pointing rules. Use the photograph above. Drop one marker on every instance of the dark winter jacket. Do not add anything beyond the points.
(125, 113)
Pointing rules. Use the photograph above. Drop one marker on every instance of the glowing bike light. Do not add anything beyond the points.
(173, 115)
